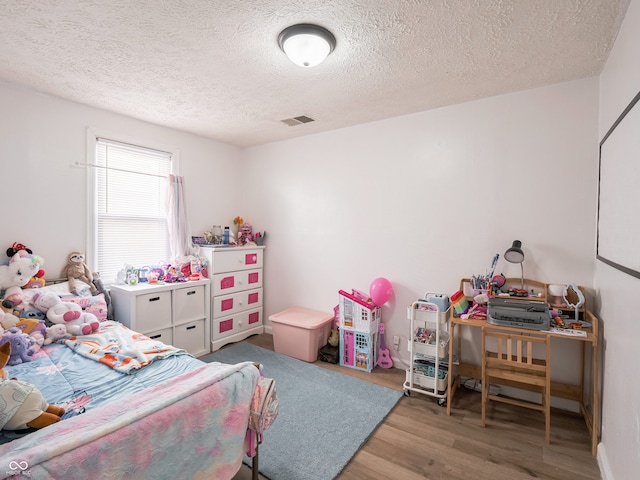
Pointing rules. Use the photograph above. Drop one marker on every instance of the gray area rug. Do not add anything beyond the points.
(324, 417)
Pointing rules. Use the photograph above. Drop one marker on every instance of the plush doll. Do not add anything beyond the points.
(71, 315)
(23, 406)
(20, 350)
(32, 313)
(68, 314)
(334, 338)
(76, 269)
(55, 333)
(8, 306)
(35, 329)
(43, 301)
(17, 274)
(37, 281)
(8, 320)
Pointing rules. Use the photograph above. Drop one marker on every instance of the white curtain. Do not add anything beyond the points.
(177, 218)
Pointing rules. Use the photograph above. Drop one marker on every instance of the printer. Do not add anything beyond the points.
(509, 312)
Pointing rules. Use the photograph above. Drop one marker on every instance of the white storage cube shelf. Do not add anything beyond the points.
(174, 313)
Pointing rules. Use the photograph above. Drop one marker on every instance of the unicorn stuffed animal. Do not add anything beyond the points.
(17, 274)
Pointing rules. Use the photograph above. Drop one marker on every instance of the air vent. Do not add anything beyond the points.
(292, 122)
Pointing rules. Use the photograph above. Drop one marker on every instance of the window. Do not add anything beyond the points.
(129, 184)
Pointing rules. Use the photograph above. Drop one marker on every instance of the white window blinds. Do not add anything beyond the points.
(131, 221)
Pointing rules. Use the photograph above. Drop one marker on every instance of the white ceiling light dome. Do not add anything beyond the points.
(306, 45)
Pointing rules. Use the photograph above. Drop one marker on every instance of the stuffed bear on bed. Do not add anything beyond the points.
(23, 406)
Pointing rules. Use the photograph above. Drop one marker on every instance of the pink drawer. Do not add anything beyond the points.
(236, 302)
(230, 260)
(232, 282)
(228, 325)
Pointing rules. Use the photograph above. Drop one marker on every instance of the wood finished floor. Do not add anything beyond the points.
(418, 440)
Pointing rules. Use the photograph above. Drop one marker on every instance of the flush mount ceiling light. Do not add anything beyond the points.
(306, 45)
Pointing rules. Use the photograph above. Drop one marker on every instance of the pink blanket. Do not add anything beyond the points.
(191, 427)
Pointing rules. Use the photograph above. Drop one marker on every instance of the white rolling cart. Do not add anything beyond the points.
(428, 350)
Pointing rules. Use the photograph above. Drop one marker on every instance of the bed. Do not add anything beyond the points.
(161, 414)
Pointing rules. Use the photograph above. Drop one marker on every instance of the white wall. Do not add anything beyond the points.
(44, 198)
(429, 198)
(422, 200)
(619, 452)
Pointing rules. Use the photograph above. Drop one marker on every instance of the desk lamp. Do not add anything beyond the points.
(516, 255)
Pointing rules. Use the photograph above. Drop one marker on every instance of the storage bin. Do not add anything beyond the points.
(427, 382)
(430, 349)
(300, 333)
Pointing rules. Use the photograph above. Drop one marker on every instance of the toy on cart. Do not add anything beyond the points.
(428, 349)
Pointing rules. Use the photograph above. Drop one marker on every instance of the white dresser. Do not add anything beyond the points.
(236, 292)
(174, 313)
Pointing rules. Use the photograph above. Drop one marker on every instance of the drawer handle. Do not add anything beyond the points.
(191, 327)
(156, 336)
(154, 299)
(192, 292)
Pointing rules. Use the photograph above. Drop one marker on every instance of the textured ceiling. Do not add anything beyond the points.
(213, 67)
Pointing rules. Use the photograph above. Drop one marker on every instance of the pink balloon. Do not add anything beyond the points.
(380, 291)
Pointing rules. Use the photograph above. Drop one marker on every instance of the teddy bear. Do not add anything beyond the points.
(23, 406)
(20, 350)
(69, 314)
(55, 333)
(76, 269)
(17, 274)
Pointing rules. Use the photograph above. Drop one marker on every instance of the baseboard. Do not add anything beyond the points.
(603, 463)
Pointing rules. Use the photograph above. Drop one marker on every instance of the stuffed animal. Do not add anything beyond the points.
(16, 248)
(334, 338)
(23, 406)
(37, 281)
(32, 313)
(20, 350)
(35, 329)
(55, 333)
(17, 274)
(76, 269)
(43, 301)
(8, 320)
(8, 306)
(71, 315)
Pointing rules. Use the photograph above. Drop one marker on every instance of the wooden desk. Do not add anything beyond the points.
(561, 390)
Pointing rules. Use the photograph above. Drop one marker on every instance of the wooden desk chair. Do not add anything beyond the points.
(511, 363)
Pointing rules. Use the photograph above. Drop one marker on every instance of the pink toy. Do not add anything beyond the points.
(380, 291)
(69, 314)
(17, 274)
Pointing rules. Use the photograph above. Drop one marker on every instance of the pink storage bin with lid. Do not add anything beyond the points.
(300, 332)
